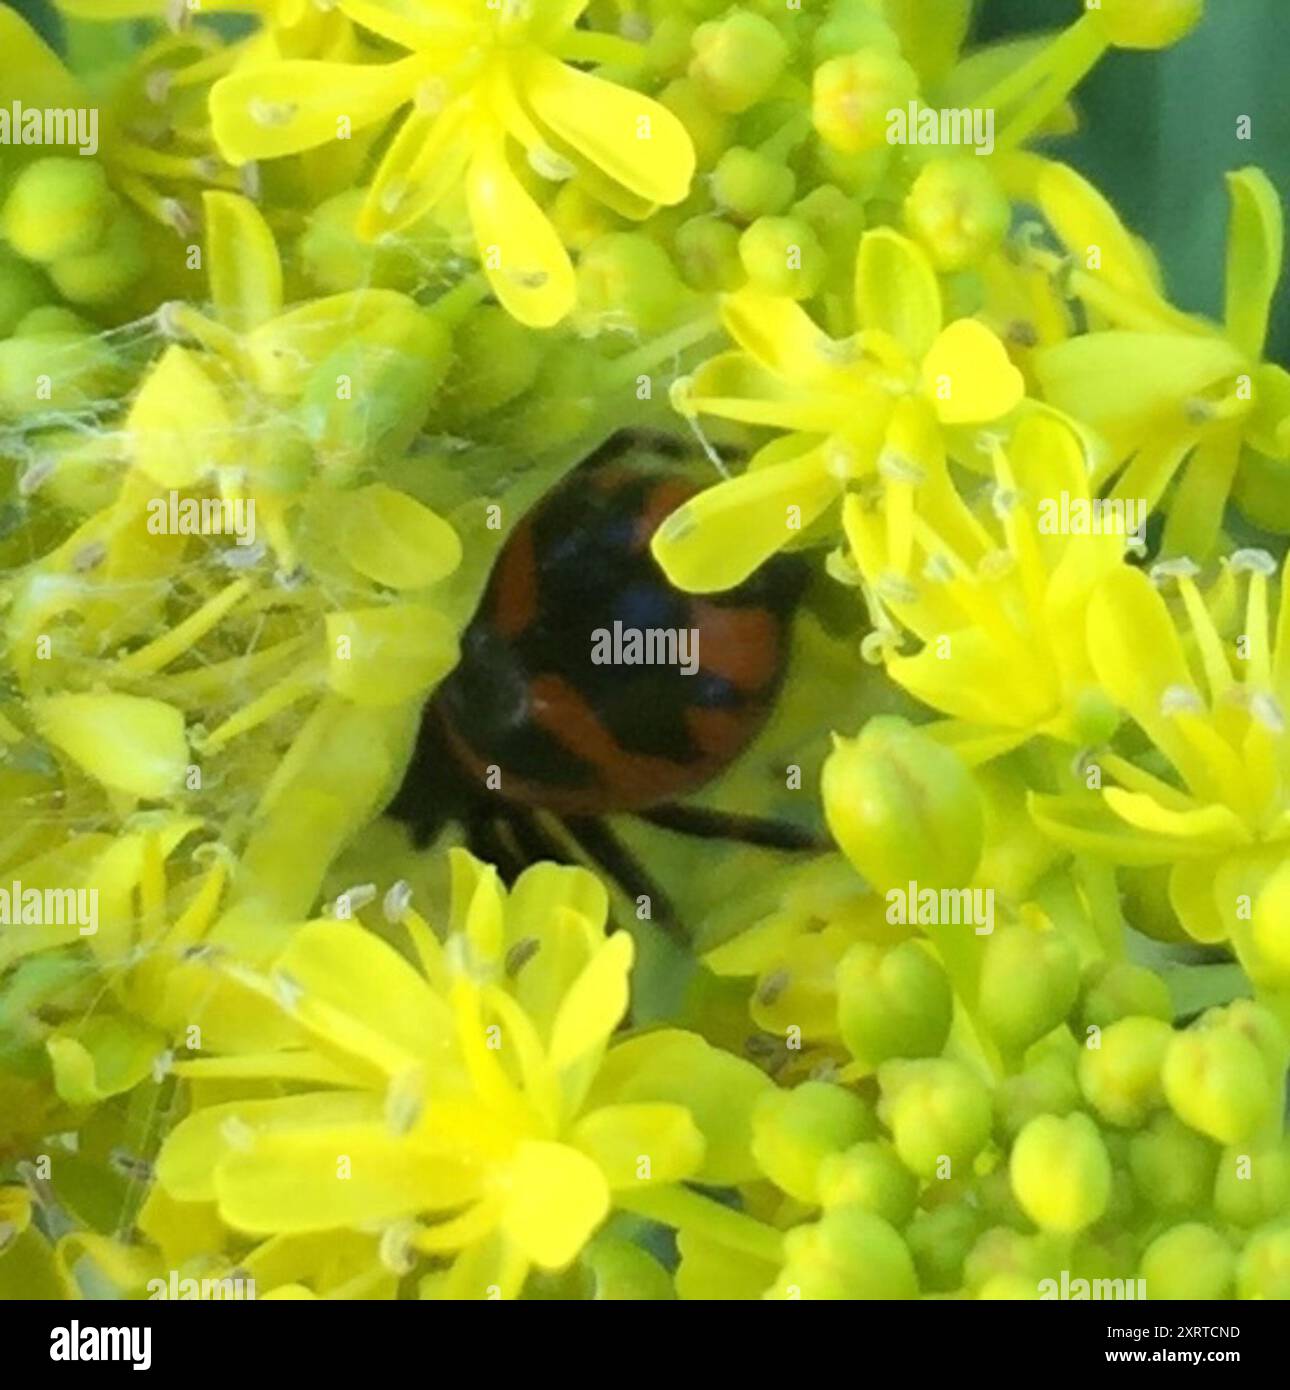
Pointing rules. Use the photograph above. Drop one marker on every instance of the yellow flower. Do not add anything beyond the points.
(1172, 395)
(901, 380)
(475, 1108)
(1213, 797)
(481, 79)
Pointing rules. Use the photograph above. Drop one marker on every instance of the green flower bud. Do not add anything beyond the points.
(750, 184)
(902, 807)
(869, 1176)
(56, 371)
(1029, 980)
(1002, 1253)
(1262, 1028)
(669, 44)
(938, 1112)
(622, 1271)
(1271, 925)
(626, 284)
(58, 207)
(708, 128)
(893, 1002)
(563, 401)
(1172, 1166)
(783, 256)
(579, 218)
(52, 318)
(1112, 990)
(851, 26)
(1008, 1288)
(1047, 1087)
(999, 1206)
(1263, 1270)
(794, 1131)
(106, 273)
(336, 259)
(22, 289)
(1188, 1262)
(737, 59)
(939, 1241)
(1148, 23)
(958, 212)
(707, 250)
(1061, 1173)
(1121, 1078)
(853, 94)
(848, 1254)
(838, 221)
(1253, 1183)
(496, 359)
(1216, 1081)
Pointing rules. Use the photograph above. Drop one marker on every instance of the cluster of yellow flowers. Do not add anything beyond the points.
(340, 285)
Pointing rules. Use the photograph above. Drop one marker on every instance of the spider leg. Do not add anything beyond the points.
(707, 824)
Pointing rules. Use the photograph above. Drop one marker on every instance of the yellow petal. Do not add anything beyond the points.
(396, 540)
(594, 1005)
(128, 743)
(969, 376)
(1214, 826)
(1255, 245)
(642, 1143)
(102, 1057)
(555, 1199)
(384, 656)
(896, 291)
(424, 163)
(179, 427)
(245, 272)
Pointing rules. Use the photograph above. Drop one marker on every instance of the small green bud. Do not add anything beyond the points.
(783, 256)
(1188, 1262)
(1029, 980)
(958, 212)
(795, 1131)
(902, 807)
(1008, 1288)
(496, 359)
(853, 95)
(626, 284)
(749, 184)
(52, 318)
(1253, 1182)
(622, 1271)
(1120, 1079)
(579, 218)
(938, 1112)
(1061, 1173)
(869, 1176)
(707, 250)
(708, 128)
(336, 258)
(669, 45)
(22, 289)
(1003, 1253)
(893, 1002)
(939, 1241)
(1047, 1087)
(737, 59)
(1112, 990)
(838, 221)
(56, 371)
(1263, 1029)
(1263, 1270)
(1216, 1081)
(1148, 23)
(848, 1254)
(59, 206)
(851, 26)
(1172, 1166)
(106, 273)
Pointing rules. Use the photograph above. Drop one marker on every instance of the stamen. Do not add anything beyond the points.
(520, 954)
(773, 986)
(1253, 561)
(396, 902)
(1179, 568)
(1180, 699)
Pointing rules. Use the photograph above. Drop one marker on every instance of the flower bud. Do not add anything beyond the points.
(938, 1112)
(1112, 990)
(853, 95)
(893, 1002)
(1148, 23)
(336, 259)
(1172, 1166)
(1047, 1087)
(940, 1240)
(848, 1254)
(1216, 1081)
(1029, 980)
(1002, 1253)
(838, 221)
(58, 206)
(783, 256)
(626, 284)
(622, 1271)
(869, 1176)
(749, 184)
(902, 807)
(22, 289)
(958, 212)
(853, 25)
(737, 59)
(794, 1131)
(1188, 1262)
(1061, 1173)
(1253, 1182)
(708, 128)
(80, 369)
(495, 359)
(1263, 1270)
(106, 273)
(1121, 1078)
(707, 251)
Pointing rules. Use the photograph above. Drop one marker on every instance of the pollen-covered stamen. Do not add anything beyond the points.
(397, 901)
(1180, 699)
(550, 164)
(272, 113)
(130, 1165)
(897, 589)
(898, 468)
(286, 991)
(396, 1249)
(1266, 709)
(773, 986)
(520, 954)
(1176, 569)
(237, 1134)
(404, 1102)
(1253, 561)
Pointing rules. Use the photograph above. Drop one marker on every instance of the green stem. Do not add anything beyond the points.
(1066, 54)
(453, 306)
(1103, 898)
(649, 355)
(1071, 58)
(685, 1209)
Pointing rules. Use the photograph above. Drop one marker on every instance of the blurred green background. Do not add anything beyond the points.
(1159, 129)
